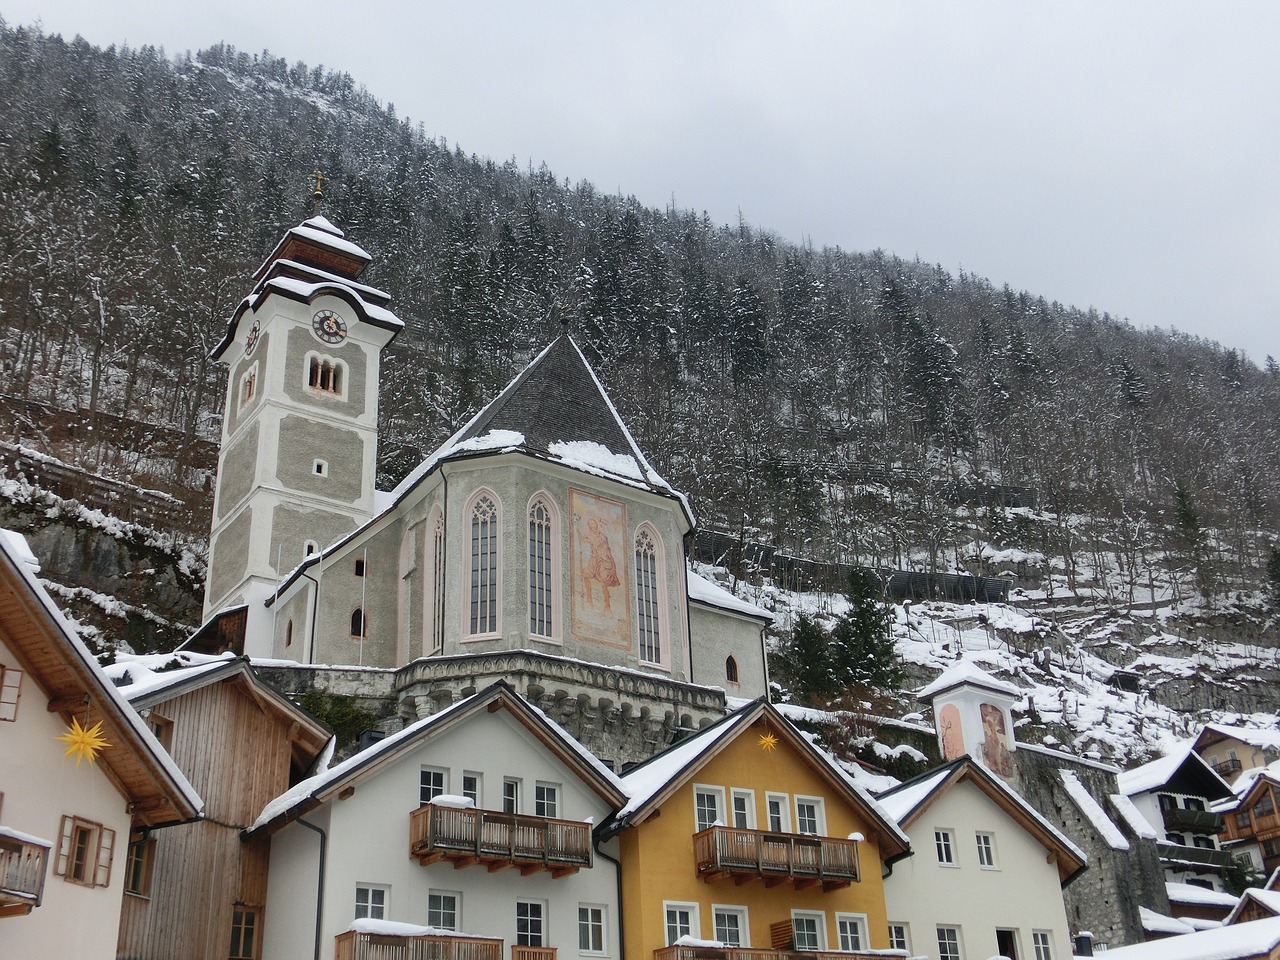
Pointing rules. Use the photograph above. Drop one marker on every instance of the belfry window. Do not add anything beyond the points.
(483, 618)
(326, 375)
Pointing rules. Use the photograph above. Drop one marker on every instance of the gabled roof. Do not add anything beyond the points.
(967, 672)
(1266, 900)
(650, 784)
(1242, 941)
(316, 790)
(1181, 771)
(71, 683)
(906, 803)
(711, 594)
(144, 683)
(1212, 733)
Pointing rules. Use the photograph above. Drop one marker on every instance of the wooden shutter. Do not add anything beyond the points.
(65, 830)
(781, 935)
(106, 850)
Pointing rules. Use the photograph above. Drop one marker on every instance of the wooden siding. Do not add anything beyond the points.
(238, 757)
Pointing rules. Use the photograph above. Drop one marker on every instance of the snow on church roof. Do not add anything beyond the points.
(702, 590)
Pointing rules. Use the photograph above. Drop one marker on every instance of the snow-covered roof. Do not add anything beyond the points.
(138, 676)
(1243, 941)
(900, 802)
(702, 590)
(1255, 737)
(1131, 815)
(1200, 896)
(644, 781)
(323, 783)
(1159, 772)
(966, 672)
(1153, 922)
(173, 783)
(1268, 899)
(395, 928)
(1093, 811)
(304, 290)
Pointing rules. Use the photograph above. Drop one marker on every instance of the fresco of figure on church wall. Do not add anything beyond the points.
(601, 606)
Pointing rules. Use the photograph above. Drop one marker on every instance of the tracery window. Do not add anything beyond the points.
(648, 602)
(435, 592)
(542, 552)
(483, 618)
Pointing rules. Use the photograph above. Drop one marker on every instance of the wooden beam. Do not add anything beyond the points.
(497, 865)
(68, 704)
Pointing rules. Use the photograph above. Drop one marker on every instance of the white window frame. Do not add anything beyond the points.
(986, 843)
(588, 924)
(477, 795)
(444, 783)
(749, 799)
(512, 788)
(899, 936)
(820, 928)
(1042, 944)
(93, 868)
(338, 368)
(959, 941)
(857, 921)
(542, 792)
(488, 626)
(319, 468)
(819, 818)
(10, 692)
(783, 800)
(552, 572)
(945, 840)
(744, 922)
(707, 790)
(369, 889)
(457, 908)
(543, 935)
(695, 921)
(651, 598)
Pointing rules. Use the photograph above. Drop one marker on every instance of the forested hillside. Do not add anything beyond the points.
(849, 406)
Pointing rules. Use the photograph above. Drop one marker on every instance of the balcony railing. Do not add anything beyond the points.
(532, 953)
(22, 870)
(1199, 856)
(467, 836)
(683, 951)
(356, 945)
(1228, 768)
(775, 857)
(1195, 821)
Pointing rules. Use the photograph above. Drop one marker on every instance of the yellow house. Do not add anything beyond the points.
(747, 838)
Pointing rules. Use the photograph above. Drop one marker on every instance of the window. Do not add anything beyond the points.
(682, 921)
(942, 842)
(776, 805)
(731, 925)
(85, 850)
(948, 943)
(442, 909)
(852, 928)
(1193, 803)
(137, 866)
(986, 851)
(899, 938)
(744, 809)
(809, 930)
(530, 923)
(371, 902)
(1265, 806)
(1177, 838)
(590, 929)
(1203, 842)
(510, 795)
(248, 386)
(161, 728)
(320, 468)
(10, 689)
(731, 669)
(288, 632)
(359, 568)
(432, 782)
(542, 569)
(244, 934)
(309, 547)
(326, 375)
(1040, 941)
(435, 599)
(471, 786)
(1007, 943)
(483, 618)
(359, 625)
(648, 607)
(1243, 820)
(1199, 882)
(708, 807)
(546, 799)
(809, 818)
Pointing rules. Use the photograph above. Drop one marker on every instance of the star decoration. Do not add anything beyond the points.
(83, 743)
(768, 742)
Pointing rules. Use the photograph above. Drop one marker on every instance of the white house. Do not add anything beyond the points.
(988, 871)
(65, 822)
(474, 824)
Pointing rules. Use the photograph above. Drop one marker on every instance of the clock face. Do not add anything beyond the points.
(251, 341)
(329, 327)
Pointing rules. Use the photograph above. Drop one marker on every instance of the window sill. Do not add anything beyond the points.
(478, 637)
(557, 642)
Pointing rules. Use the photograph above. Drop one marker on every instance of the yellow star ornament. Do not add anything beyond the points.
(83, 743)
(768, 742)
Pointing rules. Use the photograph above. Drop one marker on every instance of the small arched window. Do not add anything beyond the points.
(731, 669)
(483, 614)
(359, 566)
(648, 603)
(288, 633)
(326, 375)
(359, 625)
(309, 547)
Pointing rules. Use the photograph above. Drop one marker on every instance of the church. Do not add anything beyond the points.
(537, 545)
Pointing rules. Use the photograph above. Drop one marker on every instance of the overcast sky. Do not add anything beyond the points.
(1120, 155)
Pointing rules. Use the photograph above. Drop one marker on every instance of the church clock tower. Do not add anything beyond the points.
(299, 434)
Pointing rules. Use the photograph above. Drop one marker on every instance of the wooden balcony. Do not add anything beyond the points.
(1182, 855)
(775, 858)
(22, 870)
(683, 951)
(1192, 821)
(355, 945)
(497, 840)
(1228, 768)
(532, 953)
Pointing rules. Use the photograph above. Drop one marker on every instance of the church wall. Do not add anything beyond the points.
(715, 637)
(300, 343)
(233, 413)
(229, 555)
(236, 475)
(376, 592)
(298, 609)
(292, 527)
(303, 442)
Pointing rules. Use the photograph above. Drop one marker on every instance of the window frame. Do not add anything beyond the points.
(434, 585)
(423, 788)
(1042, 944)
(957, 941)
(862, 928)
(899, 936)
(98, 849)
(744, 923)
(512, 788)
(10, 693)
(456, 896)
(944, 841)
(314, 378)
(362, 634)
(589, 924)
(248, 387)
(718, 798)
(139, 865)
(552, 571)
(819, 919)
(819, 818)
(783, 800)
(476, 794)
(482, 600)
(741, 793)
(528, 937)
(694, 919)
(370, 889)
(651, 599)
(986, 853)
(239, 913)
(544, 790)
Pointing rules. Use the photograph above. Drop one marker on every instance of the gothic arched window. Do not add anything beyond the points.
(359, 625)
(649, 596)
(731, 669)
(484, 528)
(435, 582)
(543, 557)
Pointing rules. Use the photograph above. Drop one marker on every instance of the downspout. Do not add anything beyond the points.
(617, 879)
(315, 607)
(324, 844)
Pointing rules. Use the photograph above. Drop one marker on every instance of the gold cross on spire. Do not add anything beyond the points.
(321, 180)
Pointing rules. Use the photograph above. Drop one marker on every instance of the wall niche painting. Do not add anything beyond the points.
(952, 734)
(995, 740)
(600, 610)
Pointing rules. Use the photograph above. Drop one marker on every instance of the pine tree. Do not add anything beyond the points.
(862, 641)
(1272, 585)
(804, 661)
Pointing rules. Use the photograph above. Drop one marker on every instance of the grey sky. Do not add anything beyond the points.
(1121, 155)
